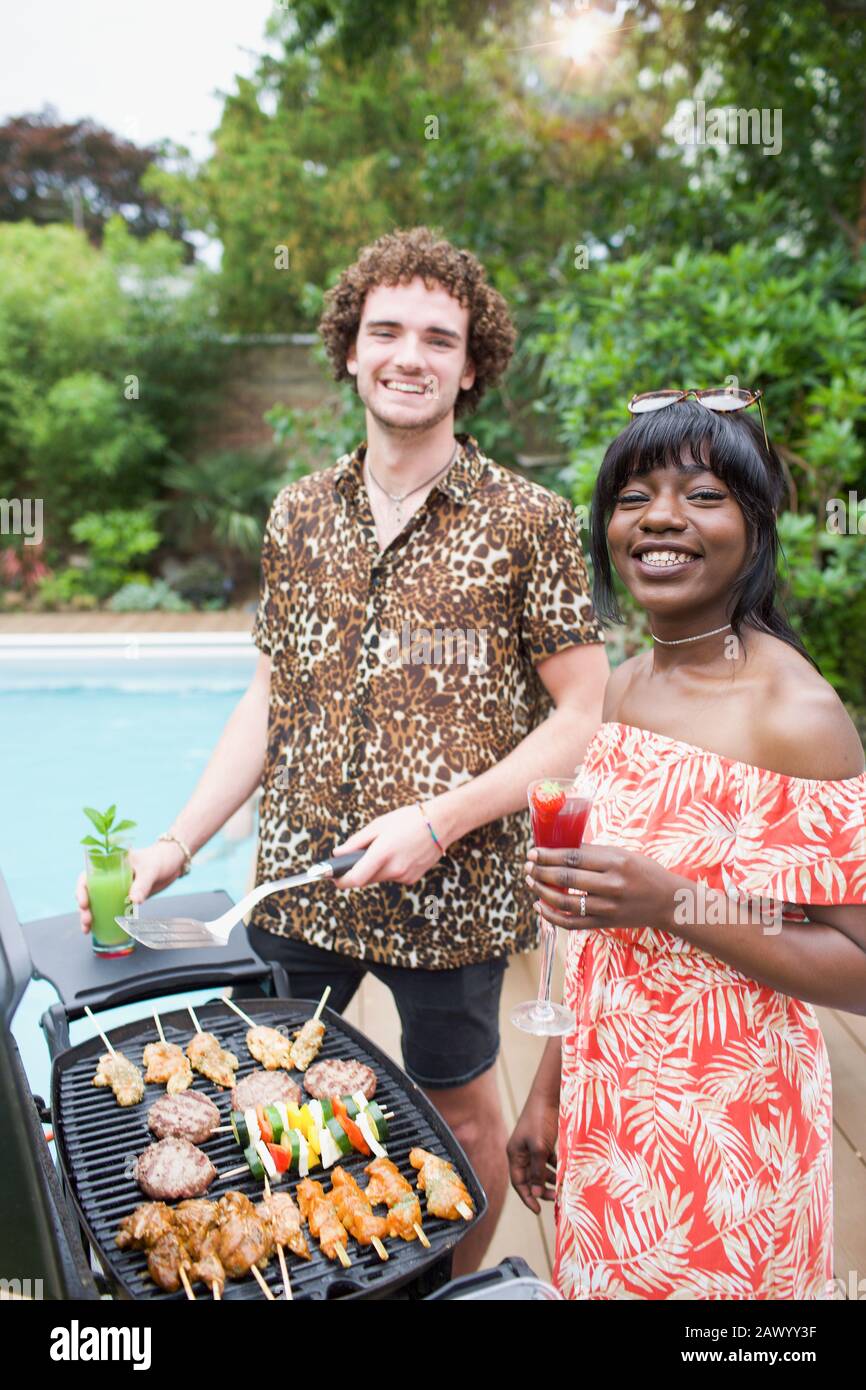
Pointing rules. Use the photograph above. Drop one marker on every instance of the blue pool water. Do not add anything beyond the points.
(89, 738)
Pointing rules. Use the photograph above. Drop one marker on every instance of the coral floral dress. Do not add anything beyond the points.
(695, 1127)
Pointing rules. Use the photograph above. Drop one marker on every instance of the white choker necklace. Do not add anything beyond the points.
(680, 641)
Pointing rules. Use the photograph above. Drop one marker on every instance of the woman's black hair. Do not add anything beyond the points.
(731, 445)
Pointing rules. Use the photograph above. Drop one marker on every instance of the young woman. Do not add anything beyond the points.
(690, 1111)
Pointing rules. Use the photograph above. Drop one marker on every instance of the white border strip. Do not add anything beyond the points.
(94, 646)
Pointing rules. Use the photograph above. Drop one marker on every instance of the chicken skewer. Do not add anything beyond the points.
(115, 1070)
(319, 1214)
(309, 1038)
(268, 1045)
(166, 1064)
(353, 1208)
(285, 1222)
(388, 1185)
(208, 1057)
(447, 1195)
(206, 1241)
(273, 1049)
(172, 1237)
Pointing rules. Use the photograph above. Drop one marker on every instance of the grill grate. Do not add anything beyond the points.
(97, 1141)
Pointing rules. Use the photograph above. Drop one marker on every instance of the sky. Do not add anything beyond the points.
(146, 70)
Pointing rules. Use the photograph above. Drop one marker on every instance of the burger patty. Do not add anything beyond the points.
(187, 1115)
(173, 1169)
(335, 1078)
(264, 1088)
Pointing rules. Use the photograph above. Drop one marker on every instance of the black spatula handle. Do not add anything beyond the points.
(342, 863)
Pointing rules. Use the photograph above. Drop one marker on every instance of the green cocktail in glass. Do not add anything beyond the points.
(109, 878)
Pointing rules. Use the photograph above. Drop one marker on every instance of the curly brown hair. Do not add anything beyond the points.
(395, 259)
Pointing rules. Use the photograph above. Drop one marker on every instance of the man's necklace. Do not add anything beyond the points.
(399, 498)
(680, 641)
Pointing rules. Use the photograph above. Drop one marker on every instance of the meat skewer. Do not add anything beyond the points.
(285, 1222)
(355, 1212)
(388, 1185)
(173, 1238)
(319, 1214)
(166, 1064)
(206, 1241)
(308, 1039)
(115, 1070)
(447, 1195)
(209, 1057)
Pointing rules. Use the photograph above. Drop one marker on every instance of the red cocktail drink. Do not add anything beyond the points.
(562, 829)
(559, 809)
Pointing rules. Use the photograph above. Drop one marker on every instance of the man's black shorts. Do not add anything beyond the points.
(449, 1018)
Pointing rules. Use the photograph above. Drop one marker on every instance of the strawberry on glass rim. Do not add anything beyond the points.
(547, 798)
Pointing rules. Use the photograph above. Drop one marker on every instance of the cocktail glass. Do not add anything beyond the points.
(109, 878)
(559, 809)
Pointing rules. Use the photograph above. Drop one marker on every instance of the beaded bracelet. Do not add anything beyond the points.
(429, 826)
(169, 836)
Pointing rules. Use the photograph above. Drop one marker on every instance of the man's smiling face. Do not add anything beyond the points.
(409, 358)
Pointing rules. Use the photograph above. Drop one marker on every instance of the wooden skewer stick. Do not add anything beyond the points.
(187, 1286)
(287, 1287)
(281, 1255)
(232, 1005)
(223, 1129)
(421, 1236)
(379, 1248)
(215, 1290)
(159, 1027)
(341, 1255)
(98, 1029)
(257, 1273)
(195, 1023)
(322, 1002)
(464, 1211)
(236, 1172)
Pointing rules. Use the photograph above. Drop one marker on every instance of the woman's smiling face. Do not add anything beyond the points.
(677, 538)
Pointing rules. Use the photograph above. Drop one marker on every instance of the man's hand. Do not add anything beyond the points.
(400, 848)
(621, 888)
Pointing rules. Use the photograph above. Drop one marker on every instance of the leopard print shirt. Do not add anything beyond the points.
(399, 675)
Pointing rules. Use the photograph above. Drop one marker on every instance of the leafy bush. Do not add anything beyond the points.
(224, 497)
(88, 446)
(146, 598)
(765, 319)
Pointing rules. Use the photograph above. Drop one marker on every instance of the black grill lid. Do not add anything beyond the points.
(97, 1141)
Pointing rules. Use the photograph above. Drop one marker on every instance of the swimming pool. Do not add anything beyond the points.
(91, 720)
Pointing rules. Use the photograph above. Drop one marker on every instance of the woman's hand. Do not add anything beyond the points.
(532, 1150)
(619, 888)
(153, 868)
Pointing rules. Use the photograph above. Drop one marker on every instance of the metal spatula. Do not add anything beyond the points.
(186, 934)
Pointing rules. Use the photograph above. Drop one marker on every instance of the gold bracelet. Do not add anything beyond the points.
(184, 849)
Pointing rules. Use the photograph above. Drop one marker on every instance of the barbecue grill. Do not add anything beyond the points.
(97, 1140)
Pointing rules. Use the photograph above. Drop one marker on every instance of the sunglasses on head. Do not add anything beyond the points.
(720, 398)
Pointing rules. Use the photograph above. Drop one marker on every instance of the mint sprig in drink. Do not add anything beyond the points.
(109, 879)
(559, 809)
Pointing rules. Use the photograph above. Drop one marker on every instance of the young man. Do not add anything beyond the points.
(422, 611)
